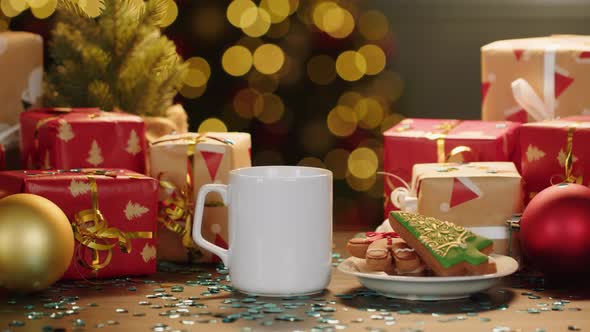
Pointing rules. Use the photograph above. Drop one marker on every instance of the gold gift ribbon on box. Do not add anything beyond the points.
(569, 156)
(92, 230)
(178, 206)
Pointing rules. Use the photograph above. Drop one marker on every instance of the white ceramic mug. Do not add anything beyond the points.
(280, 229)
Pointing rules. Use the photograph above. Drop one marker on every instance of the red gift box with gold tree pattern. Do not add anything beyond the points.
(113, 215)
(555, 151)
(66, 138)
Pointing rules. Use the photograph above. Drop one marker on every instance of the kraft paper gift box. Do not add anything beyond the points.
(536, 79)
(66, 138)
(128, 201)
(416, 141)
(481, 196)
(21, 78)
(183, 163)
(546, 147)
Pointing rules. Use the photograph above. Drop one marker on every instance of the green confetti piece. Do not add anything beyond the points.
(16, 323)
(538, 329)
(79, 323)
(573, 328)
(484, 319)
(273, 310)
(266, 323)
(404, 312)
(121, 311)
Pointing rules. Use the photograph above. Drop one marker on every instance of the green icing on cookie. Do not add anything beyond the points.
(449, 243)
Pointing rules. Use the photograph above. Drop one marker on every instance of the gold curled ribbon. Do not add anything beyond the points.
(176, 211)
(92, 230)
(569, 156)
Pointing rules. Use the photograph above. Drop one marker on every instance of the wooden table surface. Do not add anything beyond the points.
(172, 304)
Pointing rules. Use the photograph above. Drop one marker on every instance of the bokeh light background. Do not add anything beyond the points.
(311, 80)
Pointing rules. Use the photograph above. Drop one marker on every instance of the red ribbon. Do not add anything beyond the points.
(374, 236)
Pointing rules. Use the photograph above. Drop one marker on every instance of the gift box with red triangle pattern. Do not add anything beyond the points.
(113, 214)
(555, 70)
(480, 195)
(67, 138)
(183, 163)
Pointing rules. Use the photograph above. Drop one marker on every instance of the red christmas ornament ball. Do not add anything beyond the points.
(555, 231)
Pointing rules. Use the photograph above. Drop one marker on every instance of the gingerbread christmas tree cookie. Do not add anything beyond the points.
(448, 249)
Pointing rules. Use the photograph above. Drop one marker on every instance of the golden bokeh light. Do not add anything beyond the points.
(169, 17)
(321, 69)
(236, 9)
(8, 9)
(319, 12)
(311, 162)
(277, 9)
(363, 163)
(37, 3)
(269, 108)
(237, 60)
(390, 121)
(244, 103)
(19, 5)
(279, 30)
(369, 112)
(268, 157)
(351, 66)
(338, 22)
(212, 125)
(349, 98)
(342, 121)
(263, 83)
(45, 10)
(337, 161)
(373, 25)
(255, 22)
(198, 72)
(360, 184)
(192, 92)
(268, 59)
(375, 58)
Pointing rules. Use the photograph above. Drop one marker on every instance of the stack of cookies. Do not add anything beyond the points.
(422, 246)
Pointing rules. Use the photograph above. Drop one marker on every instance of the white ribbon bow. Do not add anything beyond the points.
(539, 109)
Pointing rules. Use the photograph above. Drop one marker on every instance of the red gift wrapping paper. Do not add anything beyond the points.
(545, 150)
(128, 201)
(66, 138)
(418, 141)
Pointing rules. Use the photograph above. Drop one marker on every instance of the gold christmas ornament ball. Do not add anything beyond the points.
(36, 243)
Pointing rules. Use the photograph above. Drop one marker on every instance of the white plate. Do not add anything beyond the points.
(427, 288)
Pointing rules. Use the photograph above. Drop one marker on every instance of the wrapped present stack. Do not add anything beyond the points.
(113, 215)
(537, 80)
(415, 141)
(183, 163)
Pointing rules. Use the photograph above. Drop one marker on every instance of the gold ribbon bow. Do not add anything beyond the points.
(569, 157)
(92, 230)
(444, 129)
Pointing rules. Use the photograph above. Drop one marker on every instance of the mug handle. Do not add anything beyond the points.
(223, 254)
